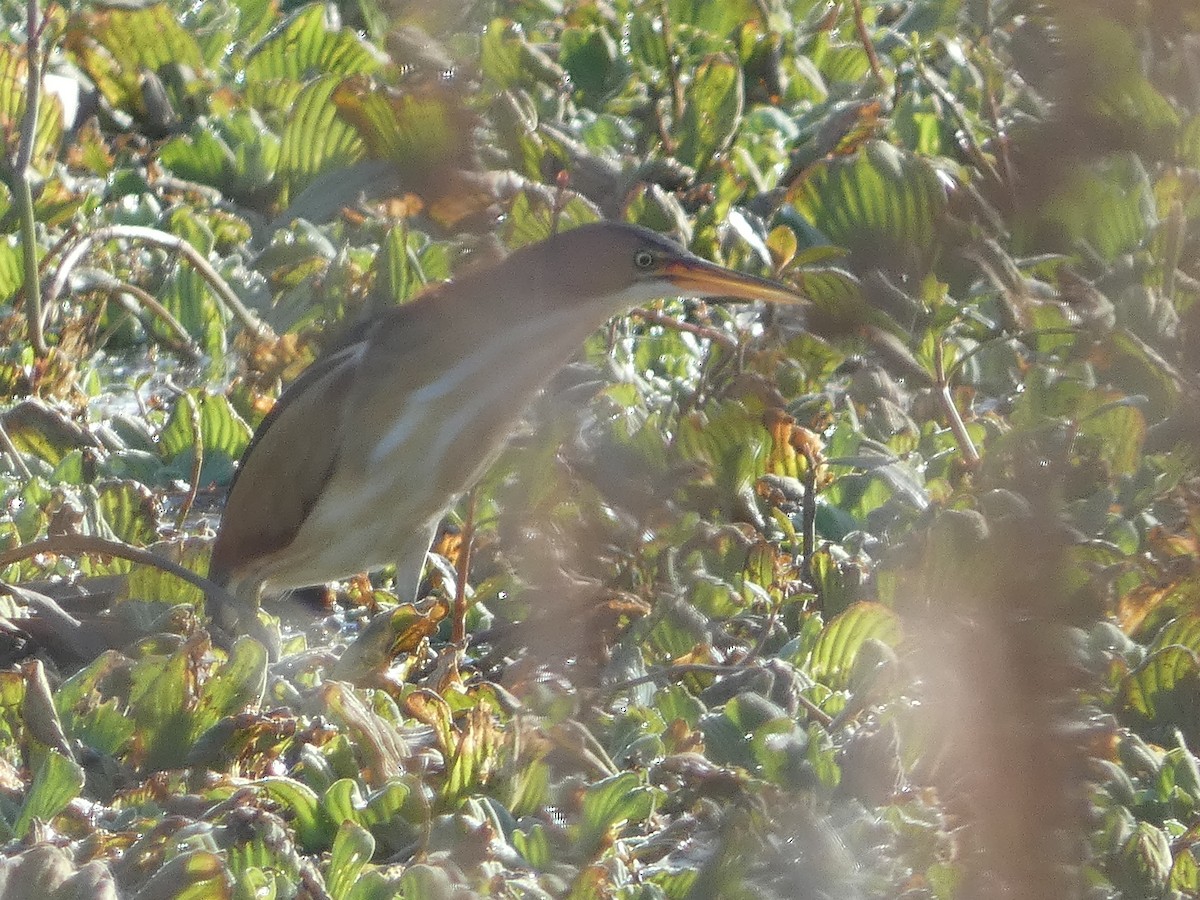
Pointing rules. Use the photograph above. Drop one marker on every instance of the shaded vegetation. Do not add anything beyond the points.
(897, 598)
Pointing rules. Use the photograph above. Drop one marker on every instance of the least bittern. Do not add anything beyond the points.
(363, 455)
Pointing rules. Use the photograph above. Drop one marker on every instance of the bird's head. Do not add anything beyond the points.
(620, 265)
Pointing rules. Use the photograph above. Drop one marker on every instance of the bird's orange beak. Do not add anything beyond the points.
(699, 278)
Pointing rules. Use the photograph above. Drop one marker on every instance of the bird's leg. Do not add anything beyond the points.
(462, 570)
(234, 612)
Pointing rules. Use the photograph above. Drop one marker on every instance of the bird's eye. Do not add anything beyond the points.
(643, 259)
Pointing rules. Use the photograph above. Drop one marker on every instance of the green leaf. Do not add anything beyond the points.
(56, 783)
(398, 269)
(235, 686)
(12, 266)
(1143, 866)
(1164, 688)
(591, 58)
(309, 45)
(509, 60)
(129, 510)
(352, 850)
(719, 19)
(609, 804)
(424, 882)
(713, 112)
(198, 875)
(345, 802)
(38, 430)
(882, 204)
(49, 128)
(1115, 432)
(188, 297)
(780, 751)
(117, 46)
(150, 583)
(159, 702)
(1108, 206)
(316, 138)
(236, 153)
(314, 830)
(223, 436)
(832, 659)
(425, 134)
(101, 725)
(648, 44)
(1185, 873)
(534, 846)
(676, 702)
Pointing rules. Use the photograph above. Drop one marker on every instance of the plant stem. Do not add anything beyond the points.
(965, 445)
(132, 296)
(463, 570)
(23, 177)
(861, 27)
(74, 544)
(169, 242)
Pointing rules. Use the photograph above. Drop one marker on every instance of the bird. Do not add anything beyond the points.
(364, 454)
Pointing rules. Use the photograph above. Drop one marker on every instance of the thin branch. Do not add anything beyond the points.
(23, 178)
(169, 242)
(179, 340)
(809, 526)
(463, 569)
(669, 672)
(861, 27)
(709, 334)
(965, 445)
(75, 544)
(14, 455)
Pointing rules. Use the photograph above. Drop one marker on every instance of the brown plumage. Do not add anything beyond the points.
(363, 455)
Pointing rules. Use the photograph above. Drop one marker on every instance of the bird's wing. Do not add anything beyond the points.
(286, 466)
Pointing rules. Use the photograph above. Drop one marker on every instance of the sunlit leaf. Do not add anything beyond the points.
(49, 130)
(129, 510)
(117, 46)
(316, 137)
(832, 658)
(352, 850)
(1109, 207)
(310, 44)
(609, 804)
(712, 113)
(716, 18)
(56, 783)
(882, 204)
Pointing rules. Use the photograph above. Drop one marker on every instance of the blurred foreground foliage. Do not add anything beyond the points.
(899, 598)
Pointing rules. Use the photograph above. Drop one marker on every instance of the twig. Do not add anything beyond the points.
(861, 27)
(809, 524)
(967, 138)
(179, 341)
(701, 331)
(87, 543)
(169, 242)
(13, 453)
(22, 180)
(1018, 336)
(965, 445)
(668, 672)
